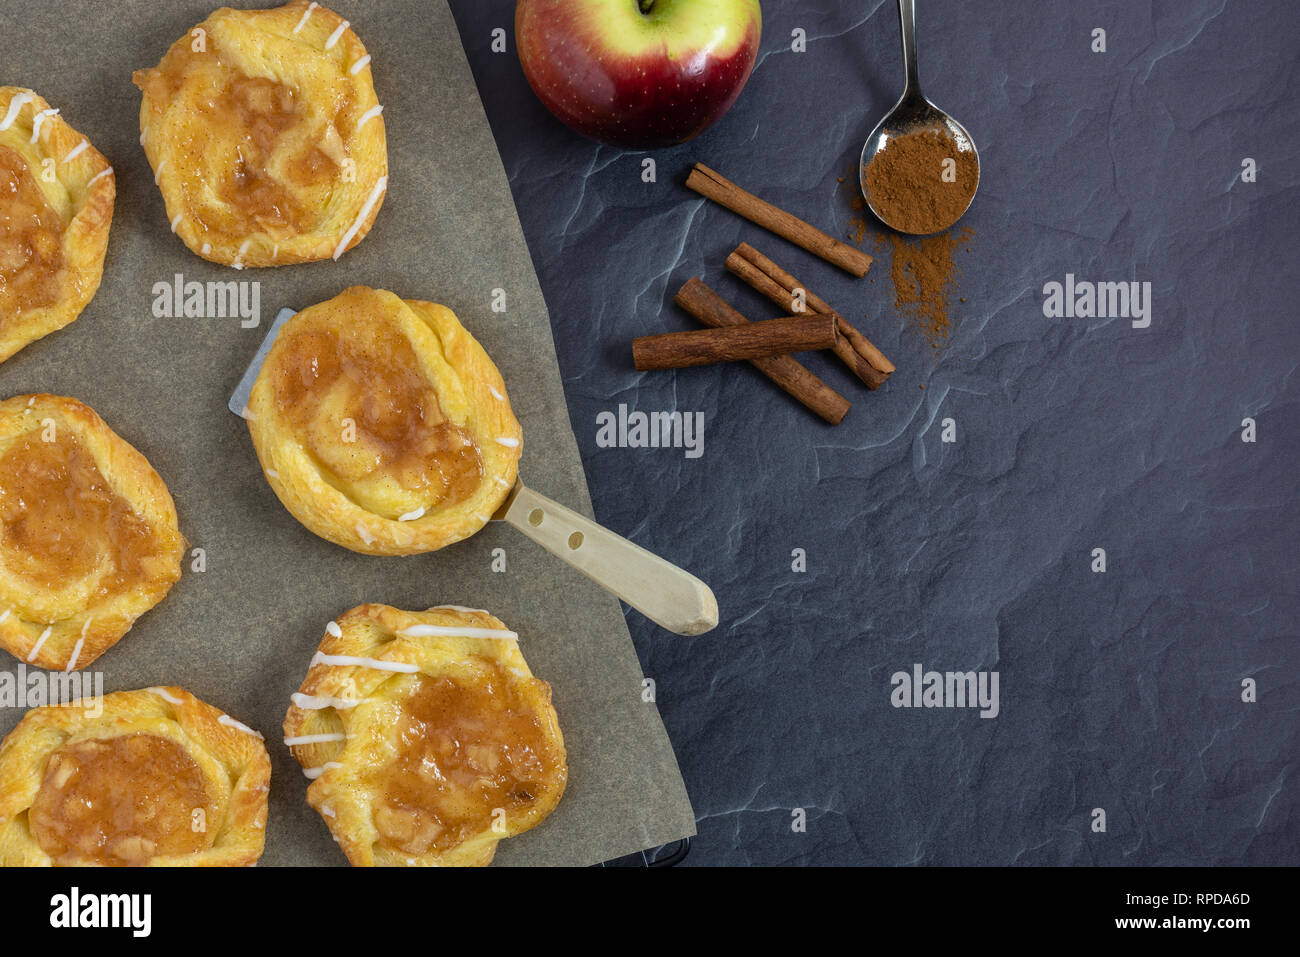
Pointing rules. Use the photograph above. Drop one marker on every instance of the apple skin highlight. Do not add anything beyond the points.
(634, 79)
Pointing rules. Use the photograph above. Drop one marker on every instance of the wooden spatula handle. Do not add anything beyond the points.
(664, 593)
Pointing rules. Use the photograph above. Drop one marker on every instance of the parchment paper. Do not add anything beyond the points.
(240, 634)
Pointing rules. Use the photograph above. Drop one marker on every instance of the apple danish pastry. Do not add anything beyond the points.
(88, 534)
(427, 737)
(382, 425)
(265, 136)
(56, 206)
(153, 778)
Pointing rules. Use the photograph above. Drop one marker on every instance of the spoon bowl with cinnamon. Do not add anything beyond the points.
(919, 169)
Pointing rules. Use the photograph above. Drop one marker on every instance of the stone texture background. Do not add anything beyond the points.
(1119, 690)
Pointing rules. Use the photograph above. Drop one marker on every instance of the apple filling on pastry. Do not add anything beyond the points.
(56, 207)
(426, 737)
(265, 136)
(88, 533)
(137, 778)
(382, 425)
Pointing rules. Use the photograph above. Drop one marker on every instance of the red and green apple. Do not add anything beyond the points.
(639, 74)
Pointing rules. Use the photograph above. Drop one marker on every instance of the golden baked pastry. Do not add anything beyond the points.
(88, 533)
(56, 206)
(158, 778)
(382, 425)
(428, 739)
(265, 136)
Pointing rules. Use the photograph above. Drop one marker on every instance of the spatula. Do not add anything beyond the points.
(664, 593)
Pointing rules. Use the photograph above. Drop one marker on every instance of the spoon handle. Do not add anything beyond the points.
(907, 23)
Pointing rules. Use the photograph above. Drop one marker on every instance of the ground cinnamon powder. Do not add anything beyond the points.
(921, 182)
(924, 276)
(923, 270)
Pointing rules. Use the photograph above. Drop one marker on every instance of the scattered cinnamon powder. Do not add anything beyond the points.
(857, 223)
(923, 270)
(924, 275)
(922, 182)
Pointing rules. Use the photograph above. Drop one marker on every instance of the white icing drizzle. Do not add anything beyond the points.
(315, 738)
(483, 518)
(166, 696)
(177, 221)
(76, 652)
(272, 473)
(36, 648)
(76, 151)
(328, 811)
(4, 615)
(207, 248)
(106, 171)
(411, 516)
(369, 115)
(314, 773)
(306, 13)
(334, 629)
(230, 722)
(502, 482)
(495, 394)
(456, 631)
(320, 702)
(37, 120)
(508, 442)
(15, 105)
(362, 531)
(143, 133)
(157, 174)
(239, 254)
(380, 186)
(85, 626)
(360, 65)
(320, 658)
(481, 611)
(338, 32)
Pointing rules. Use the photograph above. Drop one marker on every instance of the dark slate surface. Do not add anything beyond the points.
(1120, 690)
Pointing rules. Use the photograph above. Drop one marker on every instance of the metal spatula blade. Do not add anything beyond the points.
(238, 403)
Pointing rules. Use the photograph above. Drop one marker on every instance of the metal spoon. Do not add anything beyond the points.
(912, 113)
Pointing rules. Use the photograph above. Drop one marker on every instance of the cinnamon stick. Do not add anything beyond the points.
(788, 284)
(712, 310)
(754, 340)
(769, 287)
(726, 193)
